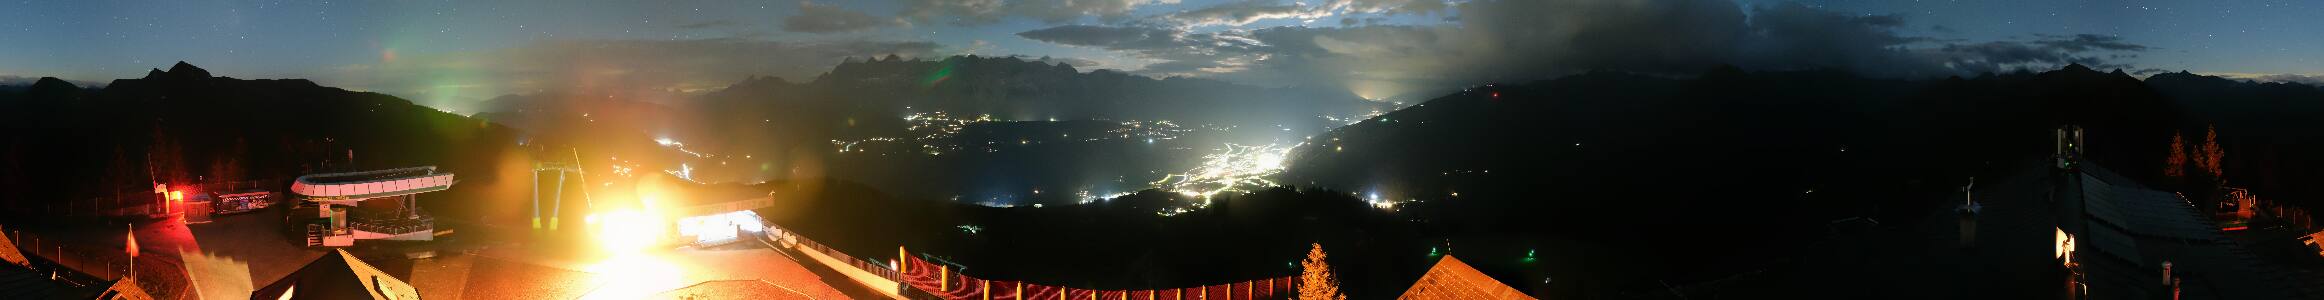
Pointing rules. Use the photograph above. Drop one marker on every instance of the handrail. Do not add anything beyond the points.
(371, 184)
(883, 270)
(421, 170)
(947, 283)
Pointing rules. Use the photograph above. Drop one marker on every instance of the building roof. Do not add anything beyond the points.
(10, 255)
(125, 289)
(337, 276)
(19, 279)
(2130, 231)
(1451, 279)
(19, 282)
(2144, 212)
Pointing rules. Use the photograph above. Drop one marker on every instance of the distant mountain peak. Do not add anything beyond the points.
(53, 88)
(53, 82)
(181, 70)
(2077, 68)
(1724, 72)
(184, 69)
(2082, 72)
(2184, 76)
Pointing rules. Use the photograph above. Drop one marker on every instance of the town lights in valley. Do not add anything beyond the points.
(1235, 168)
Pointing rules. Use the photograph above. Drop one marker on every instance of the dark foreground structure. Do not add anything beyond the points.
(335, 209)
(2061, 227)
(27, 277)
(1452, 279)
(337, 276)
(2119, 240)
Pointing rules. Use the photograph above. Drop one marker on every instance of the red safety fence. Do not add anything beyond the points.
(939, 280)
(876, 268)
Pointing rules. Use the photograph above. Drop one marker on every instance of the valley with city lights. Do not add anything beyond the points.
(1135, 149)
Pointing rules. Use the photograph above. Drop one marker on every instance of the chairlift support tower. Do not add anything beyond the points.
(557, 198)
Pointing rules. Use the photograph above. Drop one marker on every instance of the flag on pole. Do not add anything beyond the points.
(132, 240)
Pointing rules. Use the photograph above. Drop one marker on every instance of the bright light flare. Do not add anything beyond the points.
(720, 228)
(627, 232)
(624, 230)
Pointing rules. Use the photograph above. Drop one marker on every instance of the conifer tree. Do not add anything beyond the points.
(2211, 153)
(1317, 282)
(2176, 167)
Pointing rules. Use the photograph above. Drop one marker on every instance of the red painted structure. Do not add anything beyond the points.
(938, 280)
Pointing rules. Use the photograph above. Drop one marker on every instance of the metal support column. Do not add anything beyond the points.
(558, 207)
(536, 198)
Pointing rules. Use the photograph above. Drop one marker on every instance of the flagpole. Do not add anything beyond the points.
(132, 251)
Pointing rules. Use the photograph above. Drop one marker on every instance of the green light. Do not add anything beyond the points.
(942, 72)
(1528, 256)
(1432, 252)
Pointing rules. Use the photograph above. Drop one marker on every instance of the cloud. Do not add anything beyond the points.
(2087, 42)
(640, 68)
(1794, 36)
(977, 46)
(1509, 41)
(708, 24)
(1387, 6)
(1244, 12)
(814, 18)
(2044, 51)
(2315, 80)
(1078, 63)
(1179, 52)
(982, 12)
(1108, 37)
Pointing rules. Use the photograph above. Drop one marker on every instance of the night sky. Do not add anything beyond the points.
(450, 53)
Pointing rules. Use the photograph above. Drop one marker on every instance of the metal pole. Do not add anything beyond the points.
(536, 196)
(578, 168)
(557, 208)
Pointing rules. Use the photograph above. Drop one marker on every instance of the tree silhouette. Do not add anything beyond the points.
(2209, 156)
(1317, 282)
(2176, 168)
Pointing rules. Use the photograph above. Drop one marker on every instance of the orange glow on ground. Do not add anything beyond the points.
(635, 275)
